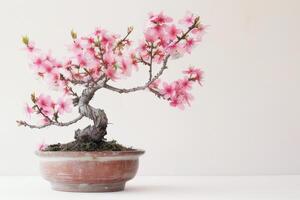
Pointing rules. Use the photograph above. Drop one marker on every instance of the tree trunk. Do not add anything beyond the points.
(97, 131)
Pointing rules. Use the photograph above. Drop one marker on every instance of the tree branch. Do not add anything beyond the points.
(151, 60)
(23, 123)
(129, 30)
(115, 89)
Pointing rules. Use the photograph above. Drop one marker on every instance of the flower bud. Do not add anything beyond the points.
(25, 40)
(130, 29)
(73, 34)
(33, 98)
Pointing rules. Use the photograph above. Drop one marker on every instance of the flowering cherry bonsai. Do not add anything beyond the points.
(100, 59)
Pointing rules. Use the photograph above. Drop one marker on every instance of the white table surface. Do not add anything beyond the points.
(164, 187)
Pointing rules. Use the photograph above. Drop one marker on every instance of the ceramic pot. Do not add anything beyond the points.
(105, 171)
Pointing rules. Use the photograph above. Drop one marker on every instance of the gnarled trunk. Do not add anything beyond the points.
(97, 131)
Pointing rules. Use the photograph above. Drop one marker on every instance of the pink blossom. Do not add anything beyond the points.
(133, 60)
(159, 56)
(109, 59)
(159, 29)
(81, 59)
(98, 31)
(151, 35)
(125, 67)
(187, 97)
(172, 32)
(159, 18)
(45, 103)
(176, 102)
(53, 78)
(76, 47)
(42, 146)
(168, 90)
(175, 50)
(195, 74)
(188, 19)
(30, 47)
(38, 61)
(89, 41)
(185, 84)
(46, 67)
(28, 110)
(155, 84)
(64, 105)
(189, 44)
(107, 40)
(110, 72)
(45, 121)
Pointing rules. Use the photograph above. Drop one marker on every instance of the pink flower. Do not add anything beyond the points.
(134, 61)
(159, 56)
(189, 44)
(47, 67)
(188, 19)
(159, 18)
(107, 40)
(168, 90)
(159, 29)
(176, 102)
(98, 31)
(185, 84)
(175, 50)
(155, 84)
(81, 59)
(45, 103)
(172, 32)
(125, 67)
(109, 59)
(76, 47)
(89, 41)
(45, 121)
(30, 47)
(110, 72)
(151, 35)
(187, 98)
(195, 74)
(64, 105)
(28, 110)
(38, 61)
(42, 146)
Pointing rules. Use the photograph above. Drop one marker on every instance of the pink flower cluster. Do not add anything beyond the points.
(105, 56)
(178, 92)
(47, 108)
(161, 37)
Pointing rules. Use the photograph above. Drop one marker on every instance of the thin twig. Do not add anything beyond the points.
(23, 123)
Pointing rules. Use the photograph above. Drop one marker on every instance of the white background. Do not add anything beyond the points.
(244, 120)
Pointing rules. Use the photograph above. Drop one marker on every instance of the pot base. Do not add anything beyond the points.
(86, 187)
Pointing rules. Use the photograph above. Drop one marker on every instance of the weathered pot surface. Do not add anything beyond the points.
(105, 171)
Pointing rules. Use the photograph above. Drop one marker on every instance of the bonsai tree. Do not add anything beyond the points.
(97, 61)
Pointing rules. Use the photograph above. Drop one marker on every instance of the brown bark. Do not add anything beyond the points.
(97, 131)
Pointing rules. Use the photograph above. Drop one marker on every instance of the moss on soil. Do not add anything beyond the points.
(88, 146)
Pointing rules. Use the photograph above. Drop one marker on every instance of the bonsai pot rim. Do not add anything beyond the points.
(93, 155)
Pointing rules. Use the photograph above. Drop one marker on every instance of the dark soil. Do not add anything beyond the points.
(88, 146)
